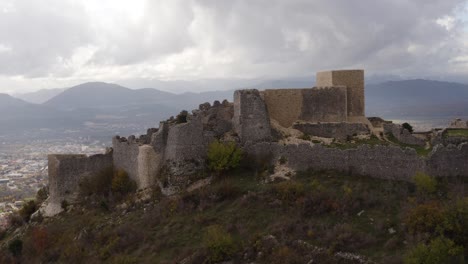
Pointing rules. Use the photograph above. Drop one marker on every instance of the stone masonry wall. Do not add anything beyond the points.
(402, 135)
(284, 105)
(318, 104)
(332, 130)
(386, 162)
(125, 156)
(324, 104)
(66, 172)
(353, 80)
(251, 120)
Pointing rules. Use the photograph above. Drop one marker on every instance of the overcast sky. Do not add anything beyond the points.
(60, 43)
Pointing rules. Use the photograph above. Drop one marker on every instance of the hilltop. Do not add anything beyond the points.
(276, 176)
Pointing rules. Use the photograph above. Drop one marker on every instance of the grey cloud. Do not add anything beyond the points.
(40, 34)
(261, 38)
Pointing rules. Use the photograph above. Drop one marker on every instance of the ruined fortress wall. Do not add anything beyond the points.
(66, 172)
(185, 147)
(448, 160)
(284, 105)
(251, 120)
(403, 135)
(125, 156)
(386, 162)
(324, 104)
(353, 80)
(340, 130)
(319, 104)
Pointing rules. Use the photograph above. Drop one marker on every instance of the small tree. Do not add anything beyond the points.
(42, 194)
(223, 156)
(182, 117)
(439, 250)
(27, 210)
(408, 127)
(122, 184)
(425, 184)
(219, 243)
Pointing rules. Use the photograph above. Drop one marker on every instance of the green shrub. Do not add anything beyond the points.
(27, 210)
(305, 137)
(425, 218)
(455, 224)
(15, 247)
(219, 243)
(288, 190)
(425, 184)
(182, 117)
(42, 194)
(15, 220)
(122, 184)
(223, 156)
(408, 127)
(440, 250)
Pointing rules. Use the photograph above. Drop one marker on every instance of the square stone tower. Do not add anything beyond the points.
(353, 80)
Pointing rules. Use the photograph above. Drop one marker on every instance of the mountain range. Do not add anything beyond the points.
(105, 108)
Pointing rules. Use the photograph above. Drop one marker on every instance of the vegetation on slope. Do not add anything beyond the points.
(239, 217)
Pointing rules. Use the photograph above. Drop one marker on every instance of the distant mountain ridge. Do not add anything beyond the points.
(112, 107)
(417, 97)
(40, 96)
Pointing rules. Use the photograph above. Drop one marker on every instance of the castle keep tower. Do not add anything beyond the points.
(354, 81)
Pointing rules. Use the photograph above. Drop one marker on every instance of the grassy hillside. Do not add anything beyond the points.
(318, 216)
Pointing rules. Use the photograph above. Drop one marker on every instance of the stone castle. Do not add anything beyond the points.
(275, 123)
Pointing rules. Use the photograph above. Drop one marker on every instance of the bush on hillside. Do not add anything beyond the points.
(42, 194)
(439, 250)
(122, 184)
(425, 184)
(223, 156)
(27, 210)
(182, 117)
(425, 218)
(219, 243)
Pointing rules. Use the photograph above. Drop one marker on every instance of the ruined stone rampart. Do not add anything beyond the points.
(251, 119)
(402, 135)
(66, 172)
(125, 156)
(450, 160)
(333, 130)
(386, 162)
(284, 105)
